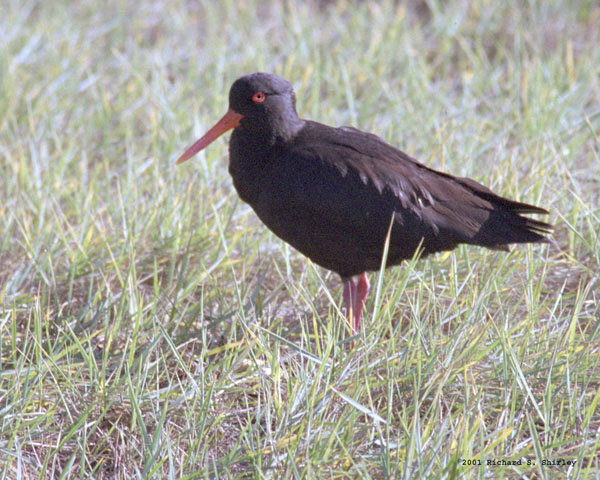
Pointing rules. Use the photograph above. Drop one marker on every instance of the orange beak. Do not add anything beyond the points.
(230, 120)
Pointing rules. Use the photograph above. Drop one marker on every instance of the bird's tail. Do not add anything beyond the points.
(506, 223)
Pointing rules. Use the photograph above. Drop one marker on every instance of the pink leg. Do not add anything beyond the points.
(362, 291)
(355, 295)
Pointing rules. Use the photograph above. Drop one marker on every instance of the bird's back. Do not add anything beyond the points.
(332, 193)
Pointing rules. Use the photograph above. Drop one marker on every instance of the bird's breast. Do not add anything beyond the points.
(250, 157)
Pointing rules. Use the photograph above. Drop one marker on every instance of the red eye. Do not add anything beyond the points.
(259, 97)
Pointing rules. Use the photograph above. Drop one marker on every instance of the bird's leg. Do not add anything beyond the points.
(362, 291)
(355, 295)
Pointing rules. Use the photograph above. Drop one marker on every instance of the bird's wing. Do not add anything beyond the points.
(461, 208)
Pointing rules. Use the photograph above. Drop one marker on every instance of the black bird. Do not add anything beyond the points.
(334, 193)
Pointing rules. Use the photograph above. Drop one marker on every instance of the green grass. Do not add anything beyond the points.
(151, 327)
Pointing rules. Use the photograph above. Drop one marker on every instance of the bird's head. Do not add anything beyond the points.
(260, 103)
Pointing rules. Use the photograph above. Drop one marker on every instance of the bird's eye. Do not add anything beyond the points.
(259, 97)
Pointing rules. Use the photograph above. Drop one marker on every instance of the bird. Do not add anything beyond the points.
(338, 195)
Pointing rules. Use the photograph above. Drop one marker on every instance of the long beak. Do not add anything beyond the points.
(230, 120)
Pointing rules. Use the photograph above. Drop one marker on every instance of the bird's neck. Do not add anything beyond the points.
(285, 129)
(251, 153)
(280, 128)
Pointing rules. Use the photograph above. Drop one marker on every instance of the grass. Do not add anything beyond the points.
(151, 327)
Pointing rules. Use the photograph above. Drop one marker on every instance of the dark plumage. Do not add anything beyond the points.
(332, 192)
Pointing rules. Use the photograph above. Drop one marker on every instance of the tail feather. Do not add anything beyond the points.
(505, 224)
